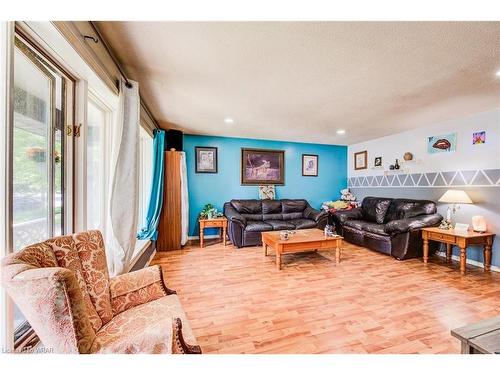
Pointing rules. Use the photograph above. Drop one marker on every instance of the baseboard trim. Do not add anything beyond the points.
(471, 262)
(208, 237)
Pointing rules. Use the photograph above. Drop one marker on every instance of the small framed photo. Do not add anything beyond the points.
(378, 161)
(478, 138)
(310, 165)
(361, 160)
(206, 159)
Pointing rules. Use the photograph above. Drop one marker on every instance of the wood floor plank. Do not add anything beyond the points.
(237, 302)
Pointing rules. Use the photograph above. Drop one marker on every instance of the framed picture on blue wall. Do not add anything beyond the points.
(206, 159)
(262, 167)
(310, 165)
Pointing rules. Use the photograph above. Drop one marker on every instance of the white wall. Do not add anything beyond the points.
(467, 156)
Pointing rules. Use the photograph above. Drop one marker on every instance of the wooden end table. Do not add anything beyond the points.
(302, 240)
(461, 239)
(219, 222)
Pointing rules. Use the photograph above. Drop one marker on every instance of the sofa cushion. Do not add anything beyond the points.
(356, 224)
(252, 217)
(408, 208)
(366, 226)
(247, 206)
(280, 224)
(374, 228)
(303, 223)
(293, 205)
(257, 226)
(374, 209)
(272, 217)
(293, 215)
(271, 206)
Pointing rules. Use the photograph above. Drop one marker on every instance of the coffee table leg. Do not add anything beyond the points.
(265, 249)
(337, 254)
(278, 258)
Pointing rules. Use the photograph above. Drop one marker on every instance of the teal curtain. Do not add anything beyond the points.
(149, 230)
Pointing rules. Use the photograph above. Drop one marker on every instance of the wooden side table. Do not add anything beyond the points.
(461, 239)
(219, 222)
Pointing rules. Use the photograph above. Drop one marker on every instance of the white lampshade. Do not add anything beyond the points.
(455, 196)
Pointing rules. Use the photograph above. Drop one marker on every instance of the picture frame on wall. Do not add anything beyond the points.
(361, 160)
(262, 167)
(378, 161)
(310, 165)
(442, 143)
(206, 160)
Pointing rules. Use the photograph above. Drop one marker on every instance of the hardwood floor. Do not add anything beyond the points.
(237, 302)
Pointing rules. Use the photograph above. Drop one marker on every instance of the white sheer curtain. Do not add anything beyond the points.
(184, 201)
(124, 202)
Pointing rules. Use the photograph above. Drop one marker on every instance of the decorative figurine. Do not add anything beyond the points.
(396, 166)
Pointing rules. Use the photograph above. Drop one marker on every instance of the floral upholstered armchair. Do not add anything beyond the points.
(63, 288)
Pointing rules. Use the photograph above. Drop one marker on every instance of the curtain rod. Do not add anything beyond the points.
(96, 40)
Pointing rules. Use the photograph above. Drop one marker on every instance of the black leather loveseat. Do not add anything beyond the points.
(388, 225)
(247, 218)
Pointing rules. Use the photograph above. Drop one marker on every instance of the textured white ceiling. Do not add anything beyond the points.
(301, 81)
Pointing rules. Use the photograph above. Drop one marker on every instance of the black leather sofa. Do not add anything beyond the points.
(388, 225)
(247, 218)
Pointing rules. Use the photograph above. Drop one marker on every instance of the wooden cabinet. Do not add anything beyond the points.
(169, 228)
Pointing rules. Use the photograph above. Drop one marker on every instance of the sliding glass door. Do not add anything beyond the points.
(38, 149)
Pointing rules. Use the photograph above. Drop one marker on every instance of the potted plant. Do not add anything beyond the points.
(209, 212)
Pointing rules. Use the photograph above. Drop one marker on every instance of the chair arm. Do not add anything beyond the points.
(343, 216)
(412, 223)
(136, 288)
(232, 215)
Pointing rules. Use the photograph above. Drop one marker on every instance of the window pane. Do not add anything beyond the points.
(31, 154)
(96, 122)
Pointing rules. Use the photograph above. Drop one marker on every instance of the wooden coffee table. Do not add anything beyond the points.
(302, 240)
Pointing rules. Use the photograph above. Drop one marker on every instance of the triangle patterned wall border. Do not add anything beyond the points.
(459, 178)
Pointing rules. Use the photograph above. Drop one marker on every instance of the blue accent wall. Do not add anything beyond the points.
(217, 188)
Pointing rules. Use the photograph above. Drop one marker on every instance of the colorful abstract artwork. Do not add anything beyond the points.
(478, 138)
(442, 143)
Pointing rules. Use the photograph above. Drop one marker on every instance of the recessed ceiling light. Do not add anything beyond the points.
(228, 120)
(497, 73)
(340, 131)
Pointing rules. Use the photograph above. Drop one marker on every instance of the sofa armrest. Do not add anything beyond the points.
(417, 222)
(136, 288)
(343, 216)
(316, 215)
(234, 216)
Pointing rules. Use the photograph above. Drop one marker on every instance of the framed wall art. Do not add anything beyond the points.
(442, 143)
(361, 160)
(262, 167)
(206, 159)
(310, 165)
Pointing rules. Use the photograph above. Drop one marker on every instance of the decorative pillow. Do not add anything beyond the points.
(374, 209)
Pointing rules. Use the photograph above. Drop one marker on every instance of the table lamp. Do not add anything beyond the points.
(455, 197)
